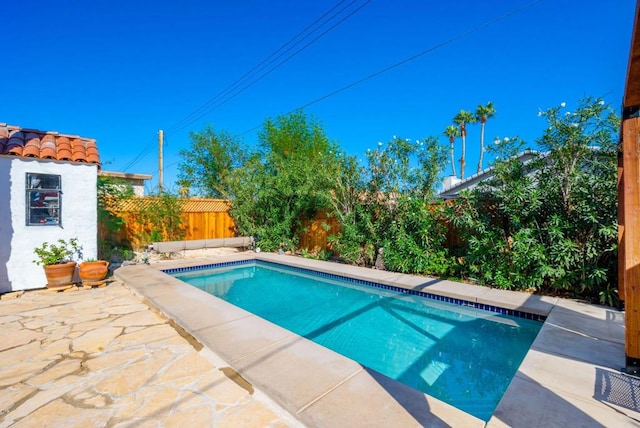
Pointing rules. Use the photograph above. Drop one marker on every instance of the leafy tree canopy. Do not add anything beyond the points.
(208, 161)
(276, 190)
(294, 135)
(548, 223)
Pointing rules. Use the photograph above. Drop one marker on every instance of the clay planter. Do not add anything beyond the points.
(93, 271)
(59, 275)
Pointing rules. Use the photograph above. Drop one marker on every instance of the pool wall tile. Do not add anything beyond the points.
(437, 297)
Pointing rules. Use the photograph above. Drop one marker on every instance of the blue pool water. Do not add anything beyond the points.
(461, 355)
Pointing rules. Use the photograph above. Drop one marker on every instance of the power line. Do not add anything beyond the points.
(409, 59)
(206, 109)
(257, 67)
(145, 151)
(166, 168)
(140, 156)
(384, 70)
(221, 103)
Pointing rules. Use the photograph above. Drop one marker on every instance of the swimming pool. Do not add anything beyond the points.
(460, 354)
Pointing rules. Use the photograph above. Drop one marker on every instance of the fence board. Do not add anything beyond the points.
(198, 223)
(208, 225)
(316, 232)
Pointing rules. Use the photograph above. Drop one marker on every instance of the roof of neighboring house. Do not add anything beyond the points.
(188, 205)
(124, 175)
(454, 190)
(33, 143)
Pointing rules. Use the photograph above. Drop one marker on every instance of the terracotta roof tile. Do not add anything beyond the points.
(47, 145)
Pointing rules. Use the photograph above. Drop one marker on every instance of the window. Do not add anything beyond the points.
(44, 192)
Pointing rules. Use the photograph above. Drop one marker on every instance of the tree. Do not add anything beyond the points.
(205, 165)
(111, 192)
(452, 132)
(390, 209)
(548, 223)
(431, 159)
(346, 189)
(482, 114)
(161, 219)
(414, 236)
(288, 181)
(462, 119)
(579, 141)
(580, 183)
(294, 135)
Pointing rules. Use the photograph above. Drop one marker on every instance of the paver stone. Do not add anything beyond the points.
(96, 340)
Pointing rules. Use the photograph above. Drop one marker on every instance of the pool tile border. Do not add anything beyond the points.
(431, 296)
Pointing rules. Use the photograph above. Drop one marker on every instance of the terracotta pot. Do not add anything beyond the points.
(93, 271)
(60, 274)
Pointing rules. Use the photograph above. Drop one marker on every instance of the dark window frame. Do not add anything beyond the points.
(43, 203)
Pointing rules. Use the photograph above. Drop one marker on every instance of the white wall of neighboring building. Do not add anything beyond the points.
(452, 186)
(450, 181)
(17, 240)
(136, 181)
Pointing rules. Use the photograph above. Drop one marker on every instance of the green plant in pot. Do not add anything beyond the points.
(58, 261)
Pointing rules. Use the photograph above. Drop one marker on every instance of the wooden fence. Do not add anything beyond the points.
(210, 219)
(200, 219)
(316, 232)
(208, 225)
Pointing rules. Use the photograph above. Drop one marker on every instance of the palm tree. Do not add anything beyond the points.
(482, 114)
(452, 132)
(462, 119)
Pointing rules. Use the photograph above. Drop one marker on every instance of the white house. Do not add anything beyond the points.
(136, 181)
(48, 191)
(452, 186)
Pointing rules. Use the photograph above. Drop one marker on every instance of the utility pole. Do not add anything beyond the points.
(160, 178)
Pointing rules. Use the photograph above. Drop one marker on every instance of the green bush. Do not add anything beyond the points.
(545, 224)
(386, 206)
(549, 223)
(416, 240)
(277, 189)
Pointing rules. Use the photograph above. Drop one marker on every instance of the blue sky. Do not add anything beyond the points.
(119, 71)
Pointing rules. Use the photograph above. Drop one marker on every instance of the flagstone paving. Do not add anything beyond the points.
(101, 357)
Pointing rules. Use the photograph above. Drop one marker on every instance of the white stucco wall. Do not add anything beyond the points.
(17, 240)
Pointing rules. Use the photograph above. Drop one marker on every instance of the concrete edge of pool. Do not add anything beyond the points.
(561, 381)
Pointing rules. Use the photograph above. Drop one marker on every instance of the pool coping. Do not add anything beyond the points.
(579, 347)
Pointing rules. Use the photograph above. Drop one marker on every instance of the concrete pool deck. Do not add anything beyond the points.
(570, 377)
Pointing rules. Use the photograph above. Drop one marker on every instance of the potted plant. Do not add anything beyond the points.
(58, 262)
(93, 270)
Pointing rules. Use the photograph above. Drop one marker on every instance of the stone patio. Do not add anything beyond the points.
(101, 357)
